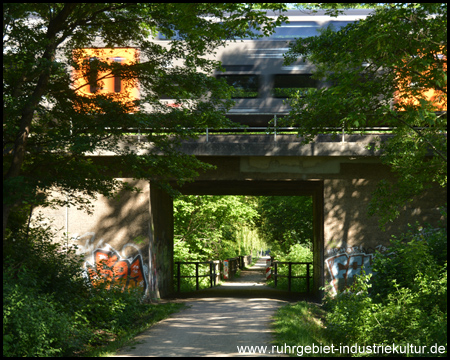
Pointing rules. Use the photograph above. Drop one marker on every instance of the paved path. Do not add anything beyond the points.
(215, 324)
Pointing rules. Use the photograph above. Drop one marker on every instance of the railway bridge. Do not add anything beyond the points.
(134, 233)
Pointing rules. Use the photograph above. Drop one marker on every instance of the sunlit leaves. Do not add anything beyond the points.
(387, 70)
(49, 126)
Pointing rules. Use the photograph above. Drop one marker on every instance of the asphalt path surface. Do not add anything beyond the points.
(216, 322)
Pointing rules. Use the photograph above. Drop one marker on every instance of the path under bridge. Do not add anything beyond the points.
(218, 321)
(251, 283)
(339, 174)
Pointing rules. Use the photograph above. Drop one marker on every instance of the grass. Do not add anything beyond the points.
(109, 343)
(300, 325)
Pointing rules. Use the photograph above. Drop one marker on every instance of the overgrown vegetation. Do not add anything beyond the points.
(403, 304)
(406, 301)
(50, 307)
(213, 228)
(223, 227)
(297, 253)
(301, 325)
(285, 221)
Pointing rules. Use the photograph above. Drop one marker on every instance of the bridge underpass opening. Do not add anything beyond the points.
(313, 189)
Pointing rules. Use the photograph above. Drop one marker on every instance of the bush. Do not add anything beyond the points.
(421, 251)
(50, 308)
(33, 323)
(297, 253)
(407, 303)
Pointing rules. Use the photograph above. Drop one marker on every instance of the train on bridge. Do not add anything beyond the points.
(255, 67)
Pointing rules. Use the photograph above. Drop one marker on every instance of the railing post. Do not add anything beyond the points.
(268, 269)
(216, 267)
(275, 127)
(275, 272)
(307, 278)
(196, 275)
(210, 274)
(289, 276)
(179, 277)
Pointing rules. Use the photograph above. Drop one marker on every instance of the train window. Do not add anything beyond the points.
(301, 29)
(117, 78)
(93, 77)
(285, 86)
(245, 86)
(238, 67)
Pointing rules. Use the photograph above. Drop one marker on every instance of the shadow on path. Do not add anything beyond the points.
(218, 321)
(210, 327)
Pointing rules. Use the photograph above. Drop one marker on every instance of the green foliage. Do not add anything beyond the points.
(49, 128)
(222, 227)
(50, 308)
(377, 69)
(34, 324)
(420, 251)
(51, 265)
(297, 253)
(404, 302)
(300, 325)
(208, 227)
(212, 228)
(285, 221)
(44, 290)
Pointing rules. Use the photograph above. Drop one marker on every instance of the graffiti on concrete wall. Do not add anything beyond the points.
(109, 264)
(127, 273)
(347, 262)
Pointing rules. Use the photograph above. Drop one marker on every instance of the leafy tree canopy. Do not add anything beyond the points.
(285, 221)
(389, 69)
(49, 127)
(209, 227)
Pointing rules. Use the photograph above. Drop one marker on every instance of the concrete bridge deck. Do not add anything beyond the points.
(269, 145)
(283, 145)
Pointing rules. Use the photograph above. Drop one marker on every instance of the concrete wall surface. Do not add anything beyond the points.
(134, 233)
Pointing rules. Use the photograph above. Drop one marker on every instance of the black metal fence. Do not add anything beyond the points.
(234, 264)
(308, 275)
(211, 274)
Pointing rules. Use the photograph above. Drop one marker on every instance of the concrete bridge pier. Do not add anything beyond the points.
(160, 243)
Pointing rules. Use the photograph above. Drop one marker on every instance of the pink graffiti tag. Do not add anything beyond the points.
(343, 268)
(122, 272)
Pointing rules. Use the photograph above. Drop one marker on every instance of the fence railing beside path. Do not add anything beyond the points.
(234, 264)
(212, 272)
(308, 276)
